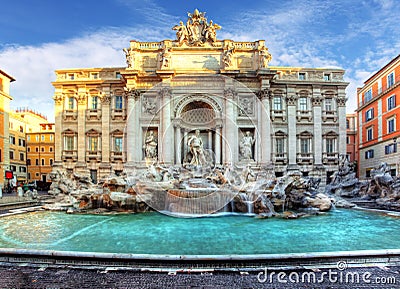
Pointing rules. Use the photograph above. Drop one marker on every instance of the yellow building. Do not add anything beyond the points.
(40, 152)
(22, 122)
(5, 99)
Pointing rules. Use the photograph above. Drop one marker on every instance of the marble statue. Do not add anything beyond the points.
(195, 144)
(265, 57)
(165, 58)
(130, 58)
(197, 30)
(228, 54)
(150, 146)
(246, 146)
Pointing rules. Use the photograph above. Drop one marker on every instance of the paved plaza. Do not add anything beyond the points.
(28, 276)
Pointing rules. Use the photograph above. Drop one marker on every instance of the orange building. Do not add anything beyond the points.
(40, 152)
(378, 116)
(351, 137)
(5, 99)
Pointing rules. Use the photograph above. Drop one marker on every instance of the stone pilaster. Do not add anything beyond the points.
(58, 141)
(292, 140)
(133, 146)
(167, 132)
(317, 115)
(265, 127)
(82, 103)
(105, 167)
(230, 151)
(218, 145)
(341, 102)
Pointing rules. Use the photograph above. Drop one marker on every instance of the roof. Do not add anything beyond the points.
(383, 68)
(7, 75)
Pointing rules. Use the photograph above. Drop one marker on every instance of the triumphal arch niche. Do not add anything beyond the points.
(194, 92)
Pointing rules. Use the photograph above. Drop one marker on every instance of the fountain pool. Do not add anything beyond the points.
(155, 233)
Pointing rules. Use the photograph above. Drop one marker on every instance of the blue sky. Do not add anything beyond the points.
(38, 37)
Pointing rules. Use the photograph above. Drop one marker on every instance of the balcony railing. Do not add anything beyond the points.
(93, 114)
(382, 90)
(304, 114)
(280, 158)
(118, 114)
(329, 114)
(330, 158)
(93, 155)
(303, 158)
(117, 156)
(70, 114)
(69, 155)
(278, 114)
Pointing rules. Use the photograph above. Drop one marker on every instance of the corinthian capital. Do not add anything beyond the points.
(230, 93)
(58, 98)
(132, 93)
(165, 92)
(264, 93)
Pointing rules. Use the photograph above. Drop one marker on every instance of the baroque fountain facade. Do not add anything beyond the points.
(199, 120)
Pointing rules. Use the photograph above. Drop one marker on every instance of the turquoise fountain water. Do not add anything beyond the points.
(154, 233)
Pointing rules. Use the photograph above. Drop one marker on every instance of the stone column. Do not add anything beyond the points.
(105, 166)
(341, 102)
(133, 145)
(178, 138)
(317, 114)
(230, 131)
(58, 141)
(292, 139)
(265, 128)
(167, 132)
(218, 145)
(81, 164)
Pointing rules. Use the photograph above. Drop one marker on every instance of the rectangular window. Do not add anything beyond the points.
(328, 104)
(302, 76)
(37, 138)
(391, 102)
(390, 149)
(304, 146)
(391, 125)
(28, 137)
(390, 80)
(42, 162)
(37, 162)
(369, 114)
(280, 146)
(369, 154)
(22, 169)
(93, 141)
(118, 102)
(21, 156)
(69, 143)
(12, 140)
(51, 162)
(277, 103)
(118, 75)
(327, 77)
(11, 155)
(94, 102)
(42, 137)
(303, 103)
(118, 144)
(71, 102)
(370, 133)
(368, 95)
(94, 75)
(330, 145)
(347, 140)
(51, 137)
(13, 168)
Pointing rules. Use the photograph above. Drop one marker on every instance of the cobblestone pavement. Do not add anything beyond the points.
(27, 276)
